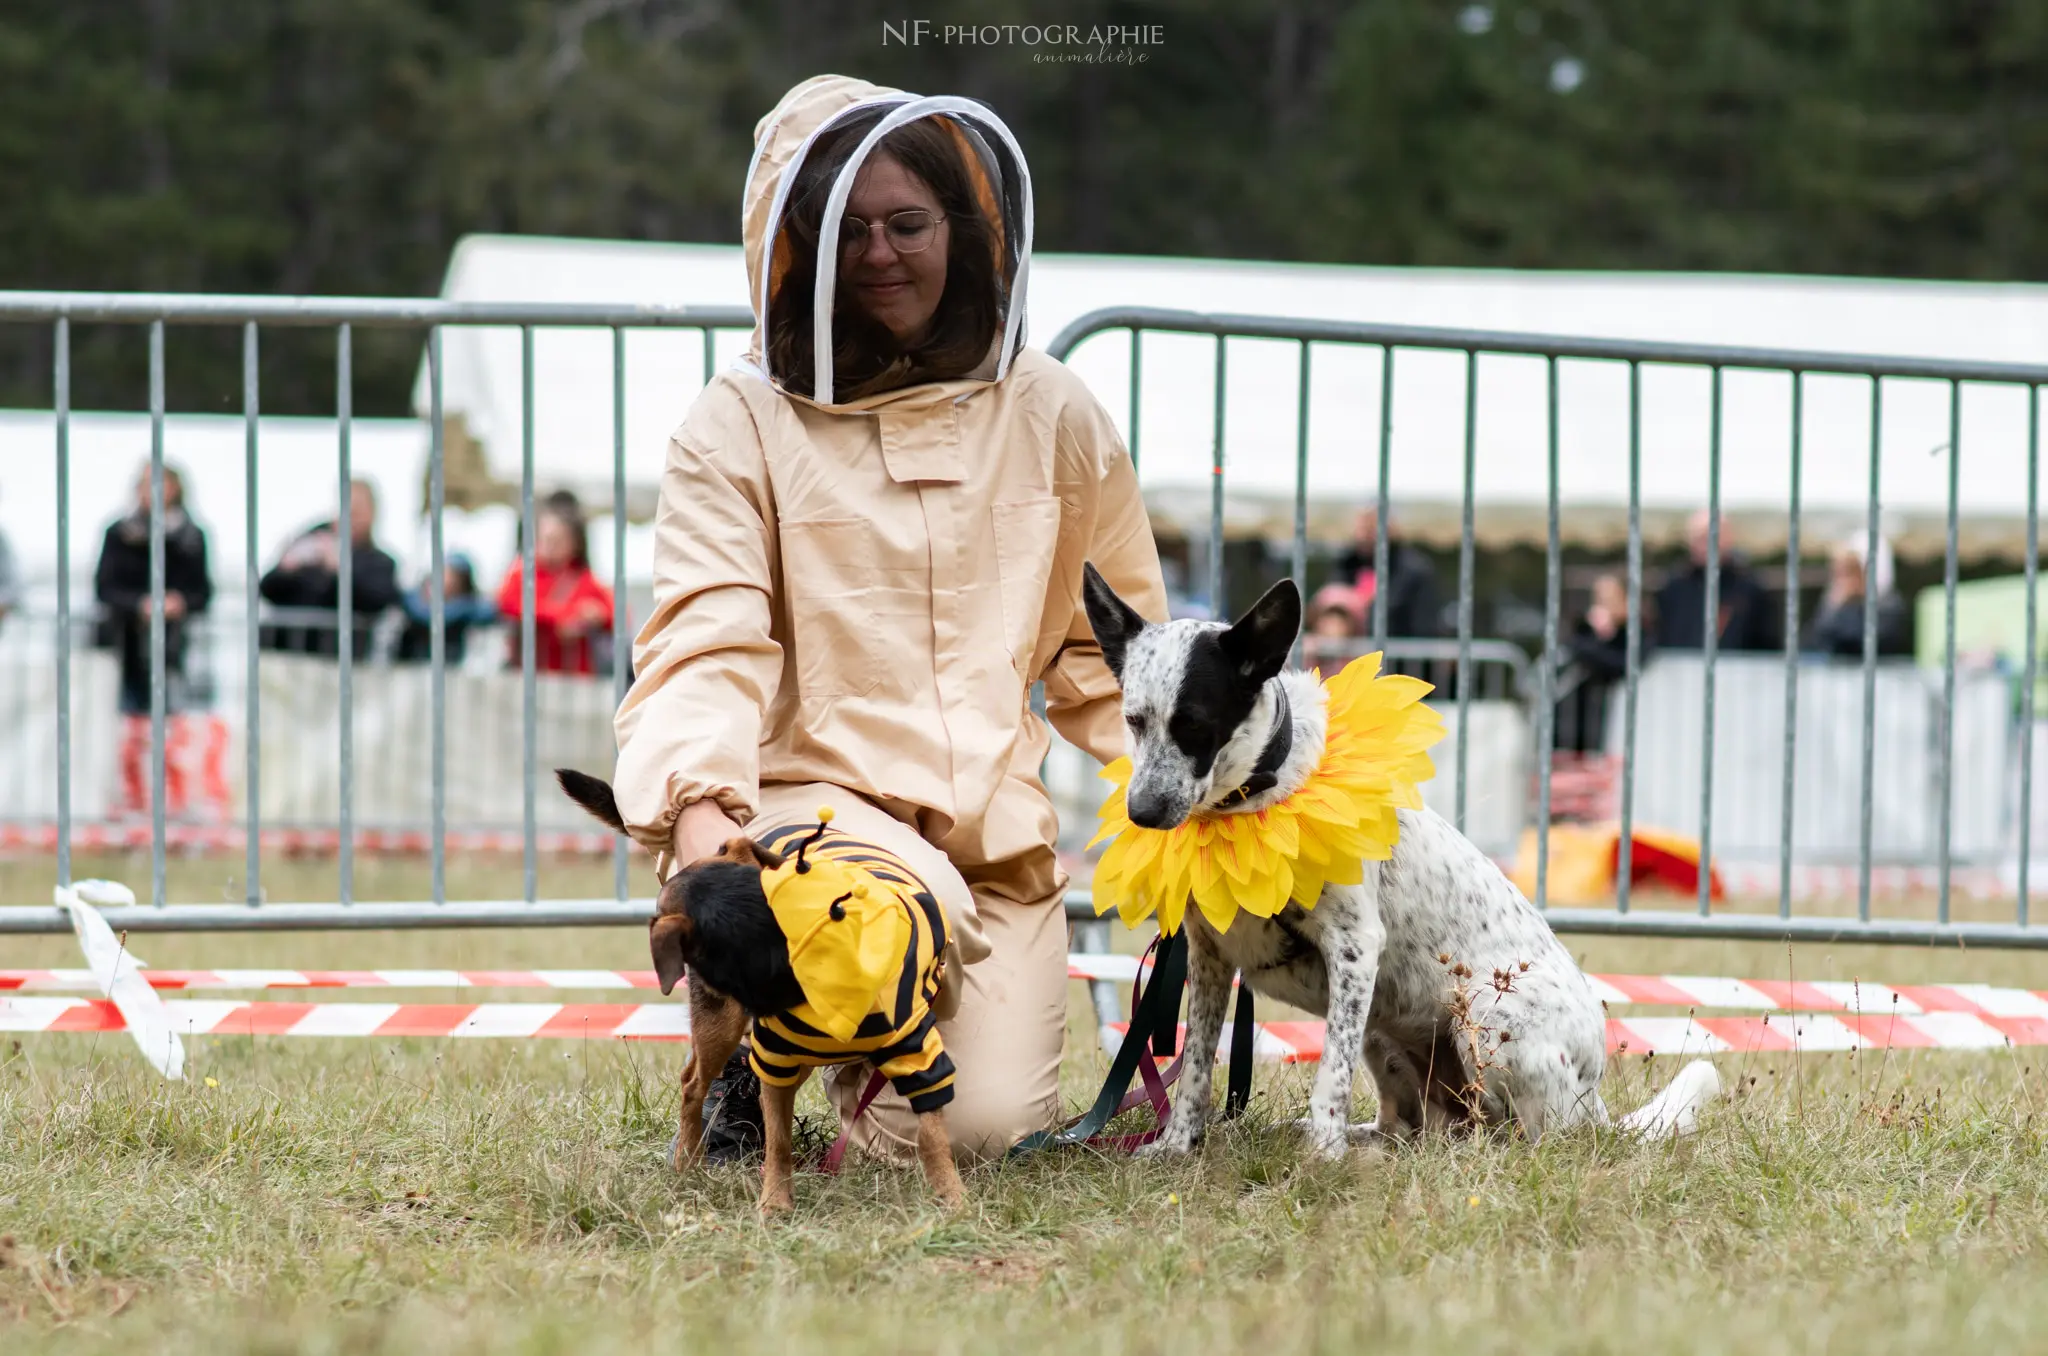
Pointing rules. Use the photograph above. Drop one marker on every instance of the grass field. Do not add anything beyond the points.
(368, 1196)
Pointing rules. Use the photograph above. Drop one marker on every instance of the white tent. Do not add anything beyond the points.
(574, 434)
(573, 388)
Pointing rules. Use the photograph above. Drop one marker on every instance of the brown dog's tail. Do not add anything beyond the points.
(592, 794)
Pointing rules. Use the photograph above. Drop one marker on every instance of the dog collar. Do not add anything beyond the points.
(1375, 758)
(1266, 772)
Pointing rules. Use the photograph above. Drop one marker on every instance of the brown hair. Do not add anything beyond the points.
(866, 357)
(566, 508)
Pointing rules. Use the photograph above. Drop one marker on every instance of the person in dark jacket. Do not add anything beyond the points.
(1837, 630)
(1745, 612)
(1412, 609)
(308, 577)
(462, 608)
(121, 583)
(1595, 659)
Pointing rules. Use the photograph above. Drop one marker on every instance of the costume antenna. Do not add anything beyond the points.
(824, 818)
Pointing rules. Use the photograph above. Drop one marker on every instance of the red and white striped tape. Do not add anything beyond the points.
(1302, 1042)
(1860, 997)
(1708, 992)
(82, 980)
(1122, 969)
(1283, 1042)
(1818, 1032)
(198, 1017)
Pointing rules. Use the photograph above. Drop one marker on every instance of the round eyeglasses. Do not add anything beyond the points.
(909, 232)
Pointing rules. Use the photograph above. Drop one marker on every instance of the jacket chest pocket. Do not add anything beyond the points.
(1027, 537)
(859, 607)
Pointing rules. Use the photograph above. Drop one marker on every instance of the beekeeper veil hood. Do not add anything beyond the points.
(831, 110)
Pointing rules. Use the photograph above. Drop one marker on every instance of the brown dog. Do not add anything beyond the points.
(713, 923)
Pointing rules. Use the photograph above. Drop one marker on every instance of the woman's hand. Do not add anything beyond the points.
(174, 605)
(701, 830)
(589, 616)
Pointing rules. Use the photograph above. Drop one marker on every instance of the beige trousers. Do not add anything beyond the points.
(1010, 1023)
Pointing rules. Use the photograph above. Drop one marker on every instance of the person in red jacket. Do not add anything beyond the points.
(572, 609)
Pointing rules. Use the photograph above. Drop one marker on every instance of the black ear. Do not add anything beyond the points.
(1113, 620)
(667, 941)
(1258, 643)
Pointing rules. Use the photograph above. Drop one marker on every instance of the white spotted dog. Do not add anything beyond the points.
(1435, 969)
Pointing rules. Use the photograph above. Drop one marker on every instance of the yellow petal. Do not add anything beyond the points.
(1144, 850)
(1281, 832)
(1283, 882)
(1219, 908)
(1238, 856)
(1171, 911)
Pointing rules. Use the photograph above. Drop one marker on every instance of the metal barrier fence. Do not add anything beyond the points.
(1390, 340)
(158, 311)
(211, 798)
(252, 314)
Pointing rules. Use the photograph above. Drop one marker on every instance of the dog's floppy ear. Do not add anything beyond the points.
(668, 939)
(592, 794)
(1258, 644)
(747, 852)
(1113, 620)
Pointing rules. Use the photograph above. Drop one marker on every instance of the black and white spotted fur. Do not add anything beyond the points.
(1435, 970)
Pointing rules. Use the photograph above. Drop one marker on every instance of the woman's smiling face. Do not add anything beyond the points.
(900, 291)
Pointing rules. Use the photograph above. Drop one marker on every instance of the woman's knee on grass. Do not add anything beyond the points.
(984, 1126)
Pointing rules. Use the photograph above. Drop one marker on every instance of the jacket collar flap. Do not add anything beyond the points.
(922, 444)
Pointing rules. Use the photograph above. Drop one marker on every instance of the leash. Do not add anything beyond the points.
(836, 1155)
(1153, 1034)
(1237, 1094)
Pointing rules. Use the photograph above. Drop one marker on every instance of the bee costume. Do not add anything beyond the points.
(867, 942)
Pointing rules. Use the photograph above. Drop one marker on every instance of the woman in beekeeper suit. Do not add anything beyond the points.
(868, 548)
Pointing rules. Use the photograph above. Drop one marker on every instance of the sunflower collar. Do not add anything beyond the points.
(1375, 758)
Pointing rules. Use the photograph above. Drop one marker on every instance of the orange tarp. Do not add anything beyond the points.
(1585, 857)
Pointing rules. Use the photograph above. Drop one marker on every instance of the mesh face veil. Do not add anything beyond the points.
(995, 165)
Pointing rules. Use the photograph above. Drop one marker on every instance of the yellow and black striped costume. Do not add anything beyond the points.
(899, 1036)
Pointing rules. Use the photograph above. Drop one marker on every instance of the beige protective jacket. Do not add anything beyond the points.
(863, 594)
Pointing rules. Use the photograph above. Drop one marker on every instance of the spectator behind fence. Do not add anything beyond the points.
(121, 584)
(1595, 658)
(1745, 614)
(1838, 628)
(572, 609)
(1337, 612)
(462, 607)
(308, 577)
(1410, 585)
(1336, 620)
